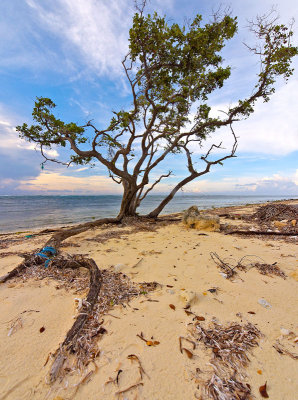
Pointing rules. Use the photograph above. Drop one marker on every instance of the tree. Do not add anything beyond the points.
(169, 69)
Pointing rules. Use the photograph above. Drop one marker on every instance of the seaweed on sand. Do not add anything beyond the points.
(230, 347)
(276, 212)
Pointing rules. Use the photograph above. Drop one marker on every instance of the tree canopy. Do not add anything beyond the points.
(169, 70)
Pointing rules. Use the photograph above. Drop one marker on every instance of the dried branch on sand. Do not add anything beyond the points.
(230, 271)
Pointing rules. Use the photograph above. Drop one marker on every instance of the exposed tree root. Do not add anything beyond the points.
(61, 235)
(61, 261)
(69, 341)
(261, 233)
(95, 284)
(55, 241)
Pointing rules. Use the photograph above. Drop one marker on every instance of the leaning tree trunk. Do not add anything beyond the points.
(155, 213)
(128, 203)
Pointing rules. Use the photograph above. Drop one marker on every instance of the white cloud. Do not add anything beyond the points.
(275, 184)
(271, 129)
(48, 182)
(12, 146)
(12, 143)
(97, 30)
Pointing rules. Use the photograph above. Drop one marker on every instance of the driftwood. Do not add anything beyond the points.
(62, 234)
(67, 345)
(261, 233)
(95, 284)
(60, 261)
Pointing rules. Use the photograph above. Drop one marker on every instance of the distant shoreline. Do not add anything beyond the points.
(39, 229)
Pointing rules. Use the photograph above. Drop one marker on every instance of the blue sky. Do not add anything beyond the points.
(71, 51)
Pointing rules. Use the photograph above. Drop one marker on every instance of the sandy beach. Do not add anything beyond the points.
(153, 347)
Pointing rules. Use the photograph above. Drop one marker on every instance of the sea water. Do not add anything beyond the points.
(23, 213)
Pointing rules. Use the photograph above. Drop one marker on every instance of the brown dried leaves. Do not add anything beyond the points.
(263, 391)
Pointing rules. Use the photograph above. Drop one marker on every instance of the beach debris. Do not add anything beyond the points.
(79, 303)
(189, 297)
(280, 348)
(138, 263)
(254, 232)
(230, 346)
(228, 266)
(227, 389)
(213, 290)
(148, 342)
(48, 253)
(17, 322)
(42, 329)
(172, 306)
(269, 269)
(259, 371)
(70, 244)
(188, 352)
(199, 318)
(130, 387)
(278, 212)
(15, 326)
(117, 376)
(228, 271)
(115, 288)
(181, 338)
(279, 224)
(118, 267)
(133, 357)
(263, 391)
(84, 380)
(284, 332)
(264, 303)
(152, 343)
(116, 379)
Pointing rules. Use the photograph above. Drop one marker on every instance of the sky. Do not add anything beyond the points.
(71, 52)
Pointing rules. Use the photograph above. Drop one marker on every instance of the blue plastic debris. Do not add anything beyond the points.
(47, 252)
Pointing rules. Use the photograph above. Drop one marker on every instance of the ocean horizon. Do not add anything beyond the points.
(30, 212)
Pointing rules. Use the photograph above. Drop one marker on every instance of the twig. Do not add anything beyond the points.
(141, 337)
(188, 340)
(281, 350)
(130, 387)
(134, 266)
(222, 265)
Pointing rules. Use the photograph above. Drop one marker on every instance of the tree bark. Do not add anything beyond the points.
(128, 203)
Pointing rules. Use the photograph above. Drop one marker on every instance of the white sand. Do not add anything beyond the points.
(174, 256)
